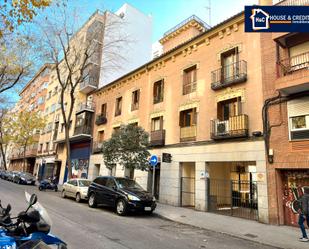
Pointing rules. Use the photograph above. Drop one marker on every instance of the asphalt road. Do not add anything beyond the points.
(86, 228)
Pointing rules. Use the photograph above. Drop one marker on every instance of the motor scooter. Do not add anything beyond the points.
(48, 184)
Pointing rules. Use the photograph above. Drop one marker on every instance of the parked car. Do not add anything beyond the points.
(76, 188)
(123, 194)
(4, 174)
(48, 184)
(24, 178)
(11, 175)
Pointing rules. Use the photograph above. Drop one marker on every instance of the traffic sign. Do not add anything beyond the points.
(153, 160)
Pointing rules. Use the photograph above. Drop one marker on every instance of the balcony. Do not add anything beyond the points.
(235, 127)
(157, 138)
(293, 2)
(229, 75)
(88, 85)
(188, 133)
(79, 130)
(89, 106)
(100, 120)
(97, 147)
(293, 64)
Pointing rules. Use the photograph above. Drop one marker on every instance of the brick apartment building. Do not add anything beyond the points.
(286, 95)
(32, 98)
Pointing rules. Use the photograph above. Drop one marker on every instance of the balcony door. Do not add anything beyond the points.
(229, 65)
(229, 108)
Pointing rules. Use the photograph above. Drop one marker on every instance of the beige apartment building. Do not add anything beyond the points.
(32, 98)
(201, 103)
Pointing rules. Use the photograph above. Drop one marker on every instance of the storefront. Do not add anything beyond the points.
(80, 154)
(293, 182)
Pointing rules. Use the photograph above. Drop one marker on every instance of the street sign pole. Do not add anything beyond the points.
(153, 179)
(153, 162)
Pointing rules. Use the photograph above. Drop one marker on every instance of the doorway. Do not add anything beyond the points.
(187, 185)
(157, 181)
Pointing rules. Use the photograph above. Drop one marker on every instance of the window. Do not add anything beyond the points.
(47, 146)
(158, 91)
(228, 63)
(100, 136)
(49, 94)
(157, 123)
(298, 113)
(189, 80)
(118, 106)
(40, 100)
(103, 110)
(52, 108)
(135, 100)
(55, 90)
(110, 183)
(62, 127)
(188, 118)
(41, 147)
(229, 108)
(116, 129)
(80, 119)
(100, 181)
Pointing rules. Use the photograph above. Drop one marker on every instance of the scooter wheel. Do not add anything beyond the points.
(56, 189)
(40, 188)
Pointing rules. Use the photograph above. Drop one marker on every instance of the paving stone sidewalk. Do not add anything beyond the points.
(277, 236)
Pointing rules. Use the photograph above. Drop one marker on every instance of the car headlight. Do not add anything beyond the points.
(154, 199)
(133, 198)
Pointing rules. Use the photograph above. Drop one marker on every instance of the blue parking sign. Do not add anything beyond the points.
(153, 160)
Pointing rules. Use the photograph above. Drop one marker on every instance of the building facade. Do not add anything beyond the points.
(200, 102)
(32, 98)
(108, 33)
(286, 119)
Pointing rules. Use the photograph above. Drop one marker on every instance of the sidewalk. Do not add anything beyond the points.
(277, 236)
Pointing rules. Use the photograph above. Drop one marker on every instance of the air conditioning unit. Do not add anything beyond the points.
(222, 127)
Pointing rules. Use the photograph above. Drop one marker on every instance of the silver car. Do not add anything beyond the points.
(76, 188)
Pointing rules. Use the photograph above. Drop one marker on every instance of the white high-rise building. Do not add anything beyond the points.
(128, 43)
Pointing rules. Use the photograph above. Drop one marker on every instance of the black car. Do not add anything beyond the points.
(123, 194)
(24, 178)
(4, 175)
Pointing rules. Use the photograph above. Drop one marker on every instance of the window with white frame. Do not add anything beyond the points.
(298, 113)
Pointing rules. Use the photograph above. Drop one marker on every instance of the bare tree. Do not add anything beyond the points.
(77, 56)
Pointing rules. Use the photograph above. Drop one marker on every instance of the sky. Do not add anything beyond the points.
(167, 13)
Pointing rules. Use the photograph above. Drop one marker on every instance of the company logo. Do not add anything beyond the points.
(260, 19)
(276, 18)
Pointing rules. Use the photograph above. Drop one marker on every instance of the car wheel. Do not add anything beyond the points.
(19, 181)
(149, 212)
(40, 188)
(63, 194)
(56, 189)
(92, 201)
(121, 207)
(77, 197)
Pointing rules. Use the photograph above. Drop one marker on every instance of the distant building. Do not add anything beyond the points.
(135, 29)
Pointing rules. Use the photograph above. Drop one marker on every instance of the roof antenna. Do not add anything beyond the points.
(209, 12)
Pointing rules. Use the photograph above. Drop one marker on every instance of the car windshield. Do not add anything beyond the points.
(26, 174)
(84, 183)
(127, 183)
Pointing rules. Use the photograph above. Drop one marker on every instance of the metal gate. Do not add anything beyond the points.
(233, 197)
(187, 189)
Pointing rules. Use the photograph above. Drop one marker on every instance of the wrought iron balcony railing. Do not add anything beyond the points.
(236, 126)
(231, 74)
(292, 64)
(100, 119)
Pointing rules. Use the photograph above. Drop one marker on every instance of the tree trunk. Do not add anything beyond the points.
(68, 149)
(3, 156)
(24, 160)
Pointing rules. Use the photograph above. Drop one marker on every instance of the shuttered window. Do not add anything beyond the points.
(298, 113)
